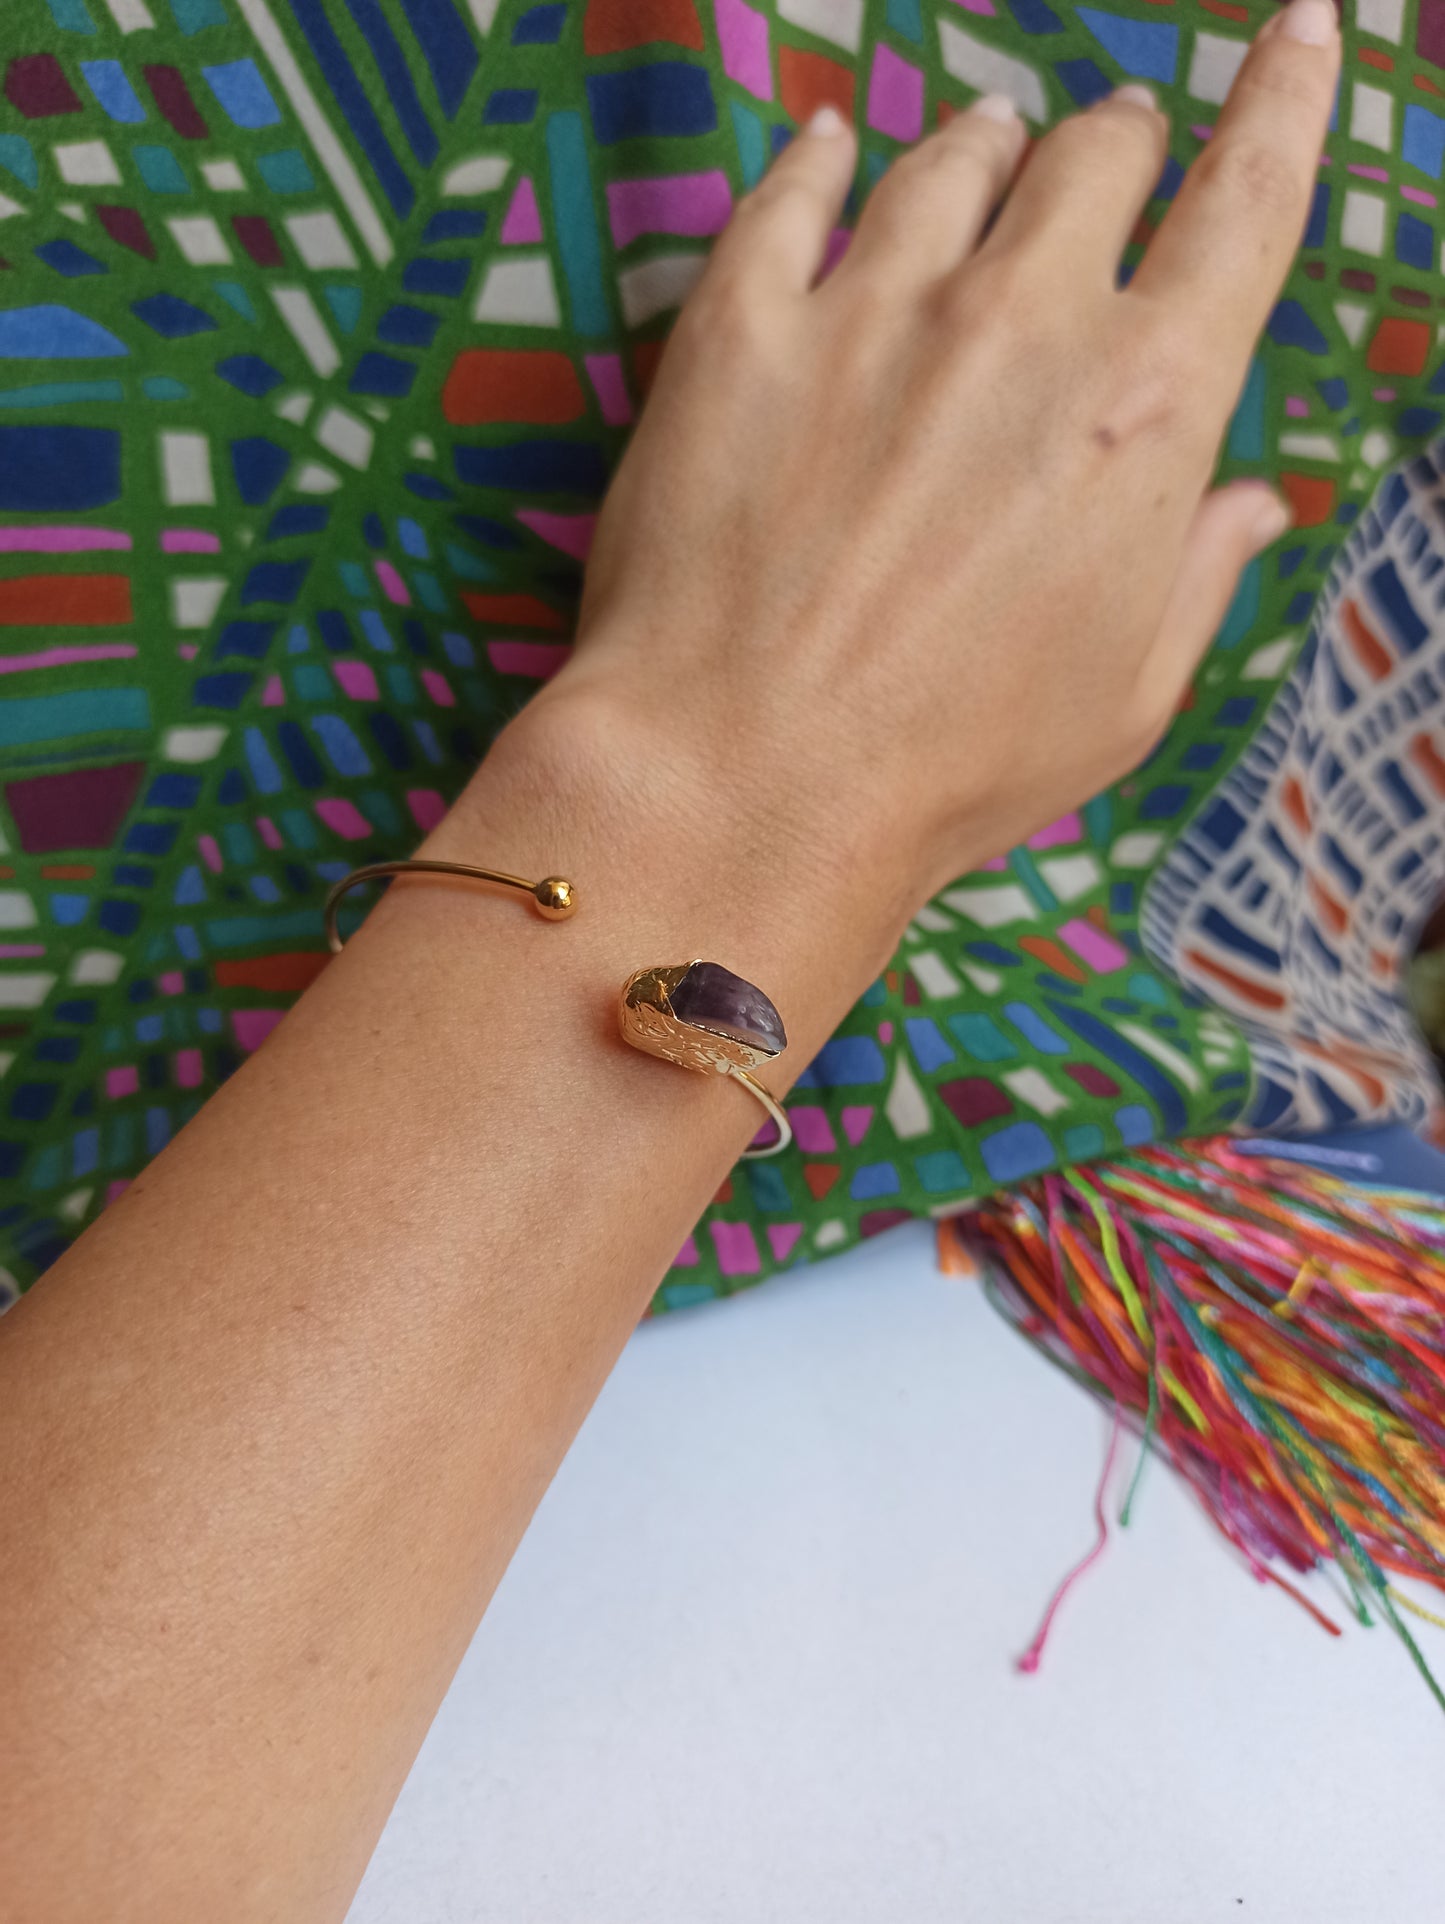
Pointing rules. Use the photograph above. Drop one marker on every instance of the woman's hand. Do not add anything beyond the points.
(917, 556)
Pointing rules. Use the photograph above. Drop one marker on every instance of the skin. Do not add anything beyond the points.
(275, 1425)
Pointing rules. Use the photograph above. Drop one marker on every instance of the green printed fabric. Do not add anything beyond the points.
(322, 325)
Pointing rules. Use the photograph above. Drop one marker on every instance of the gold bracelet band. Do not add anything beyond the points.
(696, 1014)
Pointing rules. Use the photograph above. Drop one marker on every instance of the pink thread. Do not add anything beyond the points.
(1029, 1662)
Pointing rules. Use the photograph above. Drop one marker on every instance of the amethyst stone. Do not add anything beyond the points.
(713, 998)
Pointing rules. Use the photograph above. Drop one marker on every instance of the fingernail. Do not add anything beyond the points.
(827, 121)
(1314, 23)
(1138, 95)
(995, 107)
(1271, 518)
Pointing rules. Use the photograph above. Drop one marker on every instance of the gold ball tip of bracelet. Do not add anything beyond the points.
(555, 897)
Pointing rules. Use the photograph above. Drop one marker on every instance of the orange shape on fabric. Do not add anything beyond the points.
(820, 1177)
(1226, 11)
(1334, 914)
(65, 601)
(511, 384)
(272, 974)
(1247, 991)
(1311, 498)
(1295, 805)
(516, 611)
(1399, 347)
(1372, 57)
(1428, 759)
(1375, 657)
(807, 81)
(612, 26)
(1052, 957)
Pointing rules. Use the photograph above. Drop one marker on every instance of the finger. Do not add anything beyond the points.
(927, 212)
(778, 234)
(1231, 526)
(1225, 246)
(1086, 184)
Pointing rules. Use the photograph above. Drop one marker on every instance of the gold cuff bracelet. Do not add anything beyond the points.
(696, 1014)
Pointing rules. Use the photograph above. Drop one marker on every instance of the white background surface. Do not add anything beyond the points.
(753, 1664)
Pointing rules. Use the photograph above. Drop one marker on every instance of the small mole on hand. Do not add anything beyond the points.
(1105, 437)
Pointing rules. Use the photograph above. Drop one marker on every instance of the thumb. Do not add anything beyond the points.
(1231, 526)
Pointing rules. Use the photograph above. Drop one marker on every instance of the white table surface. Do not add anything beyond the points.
(753, 1663)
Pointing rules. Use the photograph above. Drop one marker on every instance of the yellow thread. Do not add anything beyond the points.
(1299, 1288)
(1415, 1609)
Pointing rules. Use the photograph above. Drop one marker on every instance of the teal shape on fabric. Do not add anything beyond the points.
(238, 841)
(380, 809)
(982, 1037)
(107, 80)
(355, 580)
(470, 567)
(575, 223)
(192, 16)
(234, 295)
(1243, 610)
(942, 1172)
(80, 711)
(399, 683)
(301, 831)
(161, 387)
(48, 1169)
(429, 591)
(1026, 869)
(1148, 988)
(55, 394)
(875, 165)
(311, 682)
(685, 1295)
(160, 170)
(286, 172)
(1099, 818)
(1143, 49)
(17, 156)
(238, 931)
(71, 16)
(752, 143)
(1083, 1141)
(905, 17)
(121, 1148)
(875, 995)
(769, 1191)
(345, 304)
(1246, 429)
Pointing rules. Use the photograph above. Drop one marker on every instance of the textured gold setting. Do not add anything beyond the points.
(645, 1017)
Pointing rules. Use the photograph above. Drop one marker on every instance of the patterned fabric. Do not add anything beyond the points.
(322, 323)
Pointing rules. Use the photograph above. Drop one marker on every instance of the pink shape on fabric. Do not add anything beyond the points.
(344, 817)
(1295, 408)
(115, 1190)
(782, 1237)
(885, 1033)
(523, 223)
(743, 35)
(536, 659)
(1420, 195)
(1102, 953)
(273, 695)
(60, 540)
(20, 951)
(357, 679)
(693, 204)
(985, 7)
(604, 371)
(995, 862)
(121, 1082)
(1366, 173)
(438, 687)
(856, 1120)
(427, 807)
(1068, 828)
(812, 1131)
(188, 1068)
(835, 250)
(210, 853)
(737, 1249)
(687, 1257)
(68, 657)
(171, 982)
(268, 831)
(895, 95)
(572, 533)
(392, 585)
(188, 541)
(252, 1026)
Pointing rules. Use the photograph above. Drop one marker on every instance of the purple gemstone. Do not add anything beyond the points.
(713, 998)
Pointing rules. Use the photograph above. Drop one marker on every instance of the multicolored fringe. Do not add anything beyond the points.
(1277, 1334)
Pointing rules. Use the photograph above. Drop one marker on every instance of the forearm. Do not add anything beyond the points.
(274, 1427)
